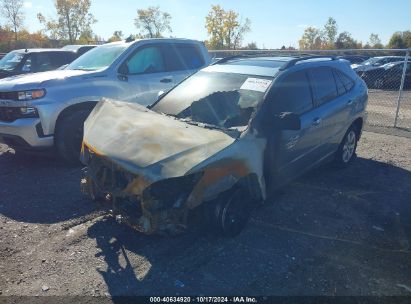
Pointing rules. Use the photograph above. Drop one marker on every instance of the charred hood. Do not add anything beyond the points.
(147, 143)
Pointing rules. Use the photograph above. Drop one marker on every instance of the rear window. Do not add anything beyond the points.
(324, 87)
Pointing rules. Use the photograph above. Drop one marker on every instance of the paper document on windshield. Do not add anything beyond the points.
(256, 84)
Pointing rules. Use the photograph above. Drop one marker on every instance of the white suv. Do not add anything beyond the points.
(48, 109)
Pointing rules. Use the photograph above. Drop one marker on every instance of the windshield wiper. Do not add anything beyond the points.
(209, 126)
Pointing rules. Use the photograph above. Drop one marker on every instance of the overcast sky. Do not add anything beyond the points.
(273, 23)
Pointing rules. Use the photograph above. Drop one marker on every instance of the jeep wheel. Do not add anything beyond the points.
(346, 151)
(69, 135)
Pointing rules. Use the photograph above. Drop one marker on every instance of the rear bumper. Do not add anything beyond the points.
(25, 133)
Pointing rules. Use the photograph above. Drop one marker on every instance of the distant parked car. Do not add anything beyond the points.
(387, 76)
(354, 59)
(34, 60)
(375, 62)
(46, 110)
(79, 49)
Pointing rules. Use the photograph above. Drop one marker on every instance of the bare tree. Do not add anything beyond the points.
(11, 10)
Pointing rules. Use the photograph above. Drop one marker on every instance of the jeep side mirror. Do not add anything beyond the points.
(123, 69)
(288, 121)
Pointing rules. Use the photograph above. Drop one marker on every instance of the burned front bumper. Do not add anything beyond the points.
(159, 207)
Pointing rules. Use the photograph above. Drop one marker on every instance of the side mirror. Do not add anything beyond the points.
(288, 121)
(160, 94)
(123, 69)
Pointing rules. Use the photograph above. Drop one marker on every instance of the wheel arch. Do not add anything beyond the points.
(87, 105)
(358, 124)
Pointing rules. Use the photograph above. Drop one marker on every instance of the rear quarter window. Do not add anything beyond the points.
(344, 83)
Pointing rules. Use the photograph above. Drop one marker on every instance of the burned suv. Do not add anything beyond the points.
(221, 141)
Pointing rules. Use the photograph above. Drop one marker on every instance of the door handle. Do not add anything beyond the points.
(350, 102)
(166, 80)
(316, 121)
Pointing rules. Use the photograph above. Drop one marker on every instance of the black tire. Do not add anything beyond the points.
(229, 214)
(69, 135)
(346, 152)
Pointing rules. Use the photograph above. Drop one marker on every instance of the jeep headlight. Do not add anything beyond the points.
(31, 94)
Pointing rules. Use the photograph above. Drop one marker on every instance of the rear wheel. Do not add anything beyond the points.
(69, 135)
(346, 151)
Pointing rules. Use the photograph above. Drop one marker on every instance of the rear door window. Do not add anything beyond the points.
(293, 94)
(324, 86)
(181, 57)
(61, 58)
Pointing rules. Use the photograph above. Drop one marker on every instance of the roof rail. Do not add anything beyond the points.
(292, 62)
(262, 54)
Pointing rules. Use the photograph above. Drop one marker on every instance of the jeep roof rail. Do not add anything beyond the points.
(292, 62)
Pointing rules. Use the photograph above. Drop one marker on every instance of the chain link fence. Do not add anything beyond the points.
(386, 72)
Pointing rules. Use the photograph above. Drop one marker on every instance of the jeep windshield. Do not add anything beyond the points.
(10, 61)
(222, 100)
(98, 58)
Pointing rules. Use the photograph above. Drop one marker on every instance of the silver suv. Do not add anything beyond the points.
(218, 143)
(48, 109)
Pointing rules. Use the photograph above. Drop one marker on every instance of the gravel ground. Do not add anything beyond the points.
(344, 232)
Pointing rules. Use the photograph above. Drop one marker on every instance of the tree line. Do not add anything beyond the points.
(328, 37)
(226, 29)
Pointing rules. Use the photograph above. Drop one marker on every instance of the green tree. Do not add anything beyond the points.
(226, 29)
(152, 22)
(345, 41)
(73, 20)
(330, 32)
(117, 36)
(311, 40)
(400, 40)
(11, 10)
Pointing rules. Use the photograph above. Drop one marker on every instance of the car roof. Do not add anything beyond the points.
(42, 50)
(161, 40)
(382, 57)
(267, 66)
(76, 47)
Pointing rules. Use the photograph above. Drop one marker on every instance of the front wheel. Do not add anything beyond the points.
(231, 212)
(69, 135)
(346, 151)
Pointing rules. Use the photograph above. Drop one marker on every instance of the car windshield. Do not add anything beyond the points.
(98, 58)
(224, 100)
(10, 61)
